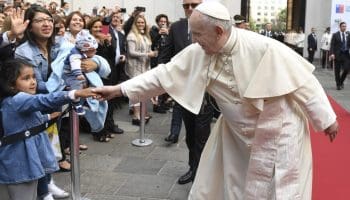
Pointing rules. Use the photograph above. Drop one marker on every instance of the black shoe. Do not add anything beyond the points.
(342, 86)
(186, 178)
(172, 138)
(159, 109)
(338, 87)
(131, 111)
(116, 130)
(168, 105)
(136, 122)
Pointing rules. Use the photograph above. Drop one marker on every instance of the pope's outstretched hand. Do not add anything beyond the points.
(107, 92)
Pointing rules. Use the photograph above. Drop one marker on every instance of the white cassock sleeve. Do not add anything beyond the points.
(183, 78)
(142, 87)
(313, 100)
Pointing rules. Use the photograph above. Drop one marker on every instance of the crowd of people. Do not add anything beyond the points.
(54, 56)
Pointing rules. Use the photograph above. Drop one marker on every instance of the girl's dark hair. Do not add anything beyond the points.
(9, 72)
(29, 15)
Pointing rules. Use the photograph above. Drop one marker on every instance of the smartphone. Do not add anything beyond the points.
(105, 29)
(140, 8)
(123, 10)
(2, 8)
(18, 5)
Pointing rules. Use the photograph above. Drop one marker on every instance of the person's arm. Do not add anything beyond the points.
(323, 39)
(128, 24)
(18, 25)
(137, 89)
(313, 100)
(332, 48)
(184, 70)
(132, 52)
(75, 63)
(45, 102)
(167, 51)
(299, 39)
(5, 40)
(103, 66)
(98, 64)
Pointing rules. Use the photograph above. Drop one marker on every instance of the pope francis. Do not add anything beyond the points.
(260, 146)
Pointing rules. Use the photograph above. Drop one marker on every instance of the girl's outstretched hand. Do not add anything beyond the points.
(55, 115)
(85, 93)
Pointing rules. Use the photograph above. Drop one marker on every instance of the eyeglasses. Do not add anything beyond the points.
(42, 20)
(187, 5)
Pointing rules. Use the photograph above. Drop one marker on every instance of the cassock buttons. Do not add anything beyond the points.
(237, 102)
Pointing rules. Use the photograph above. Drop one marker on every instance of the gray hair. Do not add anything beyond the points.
(212, 21)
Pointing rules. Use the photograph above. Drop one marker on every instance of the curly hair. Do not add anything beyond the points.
(9, 72)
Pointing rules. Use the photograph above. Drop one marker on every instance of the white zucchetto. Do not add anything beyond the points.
(214, 9)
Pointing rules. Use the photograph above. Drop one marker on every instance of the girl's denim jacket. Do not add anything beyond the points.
(29, 159)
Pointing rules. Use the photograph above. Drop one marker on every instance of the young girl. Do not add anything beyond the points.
(22, 163)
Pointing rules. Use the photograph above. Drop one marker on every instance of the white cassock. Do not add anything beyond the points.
(260, 146)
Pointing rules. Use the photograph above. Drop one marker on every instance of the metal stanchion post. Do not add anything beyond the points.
(141, 142)
(320, 59)
(74, 155)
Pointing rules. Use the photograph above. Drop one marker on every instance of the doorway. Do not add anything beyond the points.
(285, 14)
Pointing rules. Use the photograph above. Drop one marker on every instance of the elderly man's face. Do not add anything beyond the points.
(189, 6)
(116, 19)
(206, 35)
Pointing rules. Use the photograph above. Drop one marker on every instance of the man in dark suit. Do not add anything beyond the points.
(117, 68)
(268, 31)
(311, 45)
(7, 48)
(197, 126)
(119, 45)
(339, 52)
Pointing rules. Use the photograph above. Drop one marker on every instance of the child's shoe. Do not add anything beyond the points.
(48, 197)
(79, 109)
(57, 192)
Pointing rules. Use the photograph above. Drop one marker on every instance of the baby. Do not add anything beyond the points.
(85, 47)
